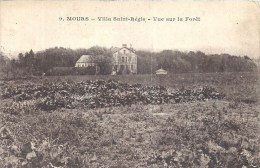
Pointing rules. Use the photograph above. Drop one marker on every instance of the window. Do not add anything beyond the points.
(124, 51)
(132, 67)
(123, 59)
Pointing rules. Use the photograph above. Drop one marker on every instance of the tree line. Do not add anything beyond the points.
(47, 61)
(184, 62)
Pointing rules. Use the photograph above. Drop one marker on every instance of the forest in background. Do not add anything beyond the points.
(61, 61)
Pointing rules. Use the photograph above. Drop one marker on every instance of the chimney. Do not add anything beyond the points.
(131, 48)
(124, 45)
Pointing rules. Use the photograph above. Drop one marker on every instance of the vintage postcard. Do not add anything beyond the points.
(129, 84)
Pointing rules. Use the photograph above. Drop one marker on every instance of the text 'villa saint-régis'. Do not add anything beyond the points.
(130, 19)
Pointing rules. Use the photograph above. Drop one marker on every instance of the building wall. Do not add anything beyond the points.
(84, 64)
(161, 73)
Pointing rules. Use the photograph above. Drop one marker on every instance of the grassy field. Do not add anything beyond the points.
(210, 133)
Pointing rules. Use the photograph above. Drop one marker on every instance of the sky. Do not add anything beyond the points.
(231, 27)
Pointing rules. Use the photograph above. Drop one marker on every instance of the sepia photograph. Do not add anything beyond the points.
(129, 84)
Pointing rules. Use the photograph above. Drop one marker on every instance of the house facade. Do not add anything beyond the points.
(124, 60)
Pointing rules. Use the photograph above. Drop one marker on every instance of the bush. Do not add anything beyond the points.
(61, 71)
(91, 70)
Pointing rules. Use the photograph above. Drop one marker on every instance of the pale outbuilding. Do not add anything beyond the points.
(161, 72)
(85, 61)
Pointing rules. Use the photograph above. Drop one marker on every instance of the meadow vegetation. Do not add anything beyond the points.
(205, 132)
